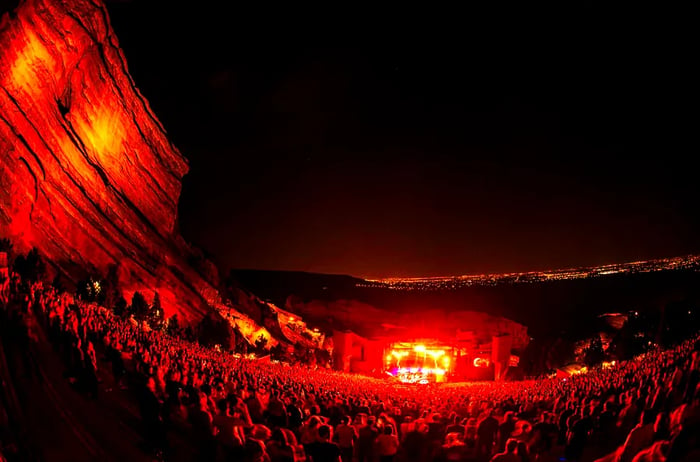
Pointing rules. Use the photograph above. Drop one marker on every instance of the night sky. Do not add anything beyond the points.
(424, 143)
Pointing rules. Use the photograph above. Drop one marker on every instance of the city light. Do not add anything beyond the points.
(458, 282)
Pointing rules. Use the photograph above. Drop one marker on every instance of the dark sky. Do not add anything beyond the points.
(424, 143)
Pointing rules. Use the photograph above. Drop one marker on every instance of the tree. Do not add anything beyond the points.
(58, 284)
(5, 245)
(173, 326)
(82, 290)
(5, 248)
(214, 332)
(240, 344)
(139, 307)
(111, 292)
(260, 344)
(594, 353)
(35, 265)
(188, 334)
(323, 357)
(278, 352)
(302, 353)
(156, 316)
(120, 307)
(89, 290)
(32, 267)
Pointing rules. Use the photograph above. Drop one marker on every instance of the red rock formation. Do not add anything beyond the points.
(87, 173)
(372, 322)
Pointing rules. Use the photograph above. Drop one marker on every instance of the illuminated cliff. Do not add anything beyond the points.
(87, 173)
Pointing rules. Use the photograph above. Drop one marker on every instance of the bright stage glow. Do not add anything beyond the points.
(416, 363)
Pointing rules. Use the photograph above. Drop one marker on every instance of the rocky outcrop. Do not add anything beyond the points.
(87, 173)
(277, 324)
(372, 322)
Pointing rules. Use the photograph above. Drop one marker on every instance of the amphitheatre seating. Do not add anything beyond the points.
(236, 408)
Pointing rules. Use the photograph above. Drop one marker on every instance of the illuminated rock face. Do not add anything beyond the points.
(87, 173)
(473, 327)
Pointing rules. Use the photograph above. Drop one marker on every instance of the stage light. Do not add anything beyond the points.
(446, 361)
(419, 348)
(436, 354)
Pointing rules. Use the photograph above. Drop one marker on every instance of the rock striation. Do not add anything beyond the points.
(87, 172)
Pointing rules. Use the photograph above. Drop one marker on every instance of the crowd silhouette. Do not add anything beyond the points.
(237, 409)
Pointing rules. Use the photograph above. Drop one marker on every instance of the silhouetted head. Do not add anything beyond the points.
(522, 448)
(280, 437)
(324, 432)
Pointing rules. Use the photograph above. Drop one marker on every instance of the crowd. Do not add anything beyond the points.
(238, 409)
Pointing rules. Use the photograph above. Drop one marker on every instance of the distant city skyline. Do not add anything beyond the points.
(457, 281)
